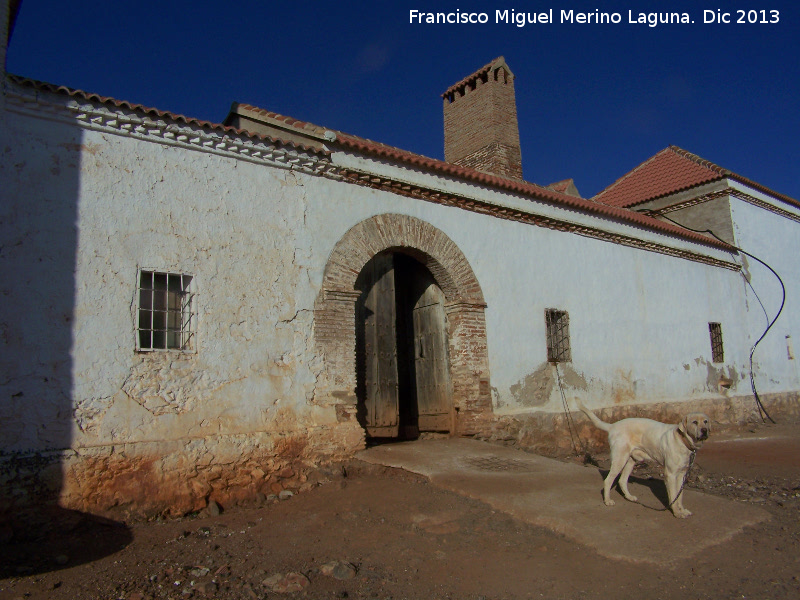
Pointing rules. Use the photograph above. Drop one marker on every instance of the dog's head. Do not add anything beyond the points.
(697, 426)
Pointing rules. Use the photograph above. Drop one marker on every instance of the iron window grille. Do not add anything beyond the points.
(717, 351)
(557, 322)
(166, 318)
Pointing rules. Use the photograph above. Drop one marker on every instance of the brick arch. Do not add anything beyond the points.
(334, 314)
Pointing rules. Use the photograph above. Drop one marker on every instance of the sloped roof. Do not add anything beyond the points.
(361, 145)
(670, 171)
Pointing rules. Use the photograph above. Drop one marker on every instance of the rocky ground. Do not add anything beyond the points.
(372, 532)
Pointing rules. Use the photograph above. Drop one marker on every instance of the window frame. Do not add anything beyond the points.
(717, 345)
(559, 347)
(166, 319)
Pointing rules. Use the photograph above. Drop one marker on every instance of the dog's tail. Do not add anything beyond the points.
(593, 418)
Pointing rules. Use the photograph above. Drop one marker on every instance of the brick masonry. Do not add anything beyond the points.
(335, 314)
(480, 123)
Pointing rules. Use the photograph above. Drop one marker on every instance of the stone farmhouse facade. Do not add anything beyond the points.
(198, 311)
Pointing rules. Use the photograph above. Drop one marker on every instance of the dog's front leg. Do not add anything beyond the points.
(674, 481)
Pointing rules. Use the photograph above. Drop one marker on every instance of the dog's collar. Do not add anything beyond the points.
(687, 440)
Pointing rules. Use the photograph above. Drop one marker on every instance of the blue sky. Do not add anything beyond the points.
(594, 100)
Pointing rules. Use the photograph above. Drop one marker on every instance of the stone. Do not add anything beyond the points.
(338, 570)
(207, 588)
(213, 508)
(285, 495)
(284, 584)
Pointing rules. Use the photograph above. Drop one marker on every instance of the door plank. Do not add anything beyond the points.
(381, 379)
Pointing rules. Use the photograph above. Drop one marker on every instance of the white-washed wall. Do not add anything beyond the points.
(638, 319)
(774, 239)
(84, 209)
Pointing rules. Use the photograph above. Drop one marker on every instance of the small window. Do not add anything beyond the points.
(557, 322)
(166, 319)
(717, 352)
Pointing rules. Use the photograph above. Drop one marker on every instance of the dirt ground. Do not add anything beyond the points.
(372, 532)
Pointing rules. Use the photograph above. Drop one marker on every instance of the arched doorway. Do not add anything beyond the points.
(402, 364)
(335, 311)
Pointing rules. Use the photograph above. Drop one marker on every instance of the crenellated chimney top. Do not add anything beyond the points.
(480, 122)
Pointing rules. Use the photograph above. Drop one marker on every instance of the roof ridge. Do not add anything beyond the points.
(728, 173)
(700, 161)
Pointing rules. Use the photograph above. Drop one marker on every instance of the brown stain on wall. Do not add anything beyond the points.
(721, 379)
(623, 389)
(536, 388)
(177, 484)
(177, 478)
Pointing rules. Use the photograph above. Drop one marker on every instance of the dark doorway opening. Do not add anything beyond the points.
(402, 366)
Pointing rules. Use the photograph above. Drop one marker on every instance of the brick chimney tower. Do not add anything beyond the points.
(480, 122)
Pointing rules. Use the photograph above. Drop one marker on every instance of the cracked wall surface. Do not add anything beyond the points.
(169, 429)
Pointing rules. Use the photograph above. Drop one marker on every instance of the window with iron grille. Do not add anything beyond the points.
(717, 353)
(166, 319)
(557, 322)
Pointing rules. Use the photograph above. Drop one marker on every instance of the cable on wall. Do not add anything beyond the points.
(762, 411)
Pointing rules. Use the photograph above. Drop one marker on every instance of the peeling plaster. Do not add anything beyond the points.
(536, 389)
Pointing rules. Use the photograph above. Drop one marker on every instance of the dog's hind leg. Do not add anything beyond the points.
(623, 479)
(618, 462)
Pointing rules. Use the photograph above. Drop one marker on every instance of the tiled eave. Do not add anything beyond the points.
(133, 120)
(484, 207)
(725, 173)
(123, 118)
(530, 191)
(726, 191)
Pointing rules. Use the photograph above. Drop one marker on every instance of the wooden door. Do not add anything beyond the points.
(377, 315)
(431, 365)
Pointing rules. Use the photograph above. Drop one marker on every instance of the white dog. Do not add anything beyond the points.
(671, 446)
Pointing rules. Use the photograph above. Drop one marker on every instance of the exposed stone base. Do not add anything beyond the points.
(176, 478)
(552, 434)
(172, 478)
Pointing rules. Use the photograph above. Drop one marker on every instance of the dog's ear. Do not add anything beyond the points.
(683, 426)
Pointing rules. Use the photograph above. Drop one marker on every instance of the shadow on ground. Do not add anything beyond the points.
(56, 538)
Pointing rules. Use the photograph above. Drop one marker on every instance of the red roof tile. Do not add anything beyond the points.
(530, 190)
(671, 170)
(667, 172)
